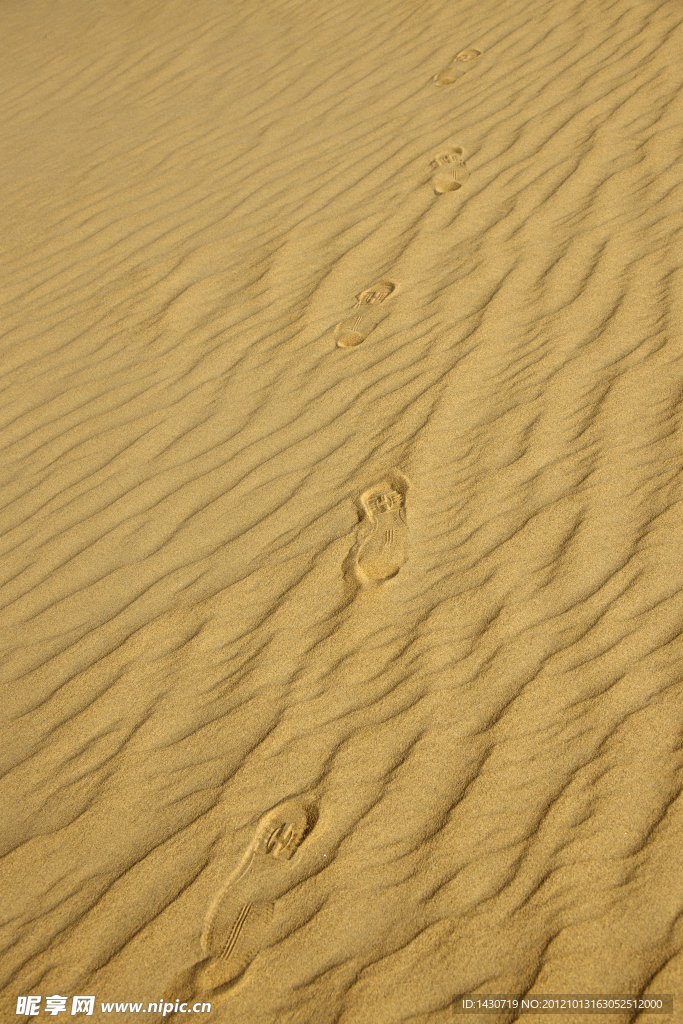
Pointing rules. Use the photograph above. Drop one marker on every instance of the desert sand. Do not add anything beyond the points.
(341, 385)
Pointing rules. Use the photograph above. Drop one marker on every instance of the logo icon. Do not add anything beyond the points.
(29, 1006)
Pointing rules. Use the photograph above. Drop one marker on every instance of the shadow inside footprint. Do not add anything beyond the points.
(239, 920)
(451, 170)
(457, 67)
(383, 544)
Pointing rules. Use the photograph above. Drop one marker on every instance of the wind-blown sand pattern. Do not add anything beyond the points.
(192, 197)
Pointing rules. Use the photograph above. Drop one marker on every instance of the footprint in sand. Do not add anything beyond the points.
(239, 919)
(383, 543)
(457, 67)
(451, 171)
(355, 329)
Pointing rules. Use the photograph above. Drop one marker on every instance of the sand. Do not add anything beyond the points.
(342, 544)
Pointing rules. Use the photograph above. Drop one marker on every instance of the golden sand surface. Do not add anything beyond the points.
(341, 385)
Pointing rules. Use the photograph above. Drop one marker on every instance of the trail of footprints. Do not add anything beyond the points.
(451, 173)
(382, 544)
(239, 921)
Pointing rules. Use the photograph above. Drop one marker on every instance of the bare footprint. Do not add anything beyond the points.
(383, 546)
(239, 919)
(355, 329)
(451, 170)
(455, 69)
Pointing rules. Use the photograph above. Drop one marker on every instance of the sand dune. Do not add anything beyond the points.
(342, 547)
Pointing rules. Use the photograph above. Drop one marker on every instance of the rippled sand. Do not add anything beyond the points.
(341, 385)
